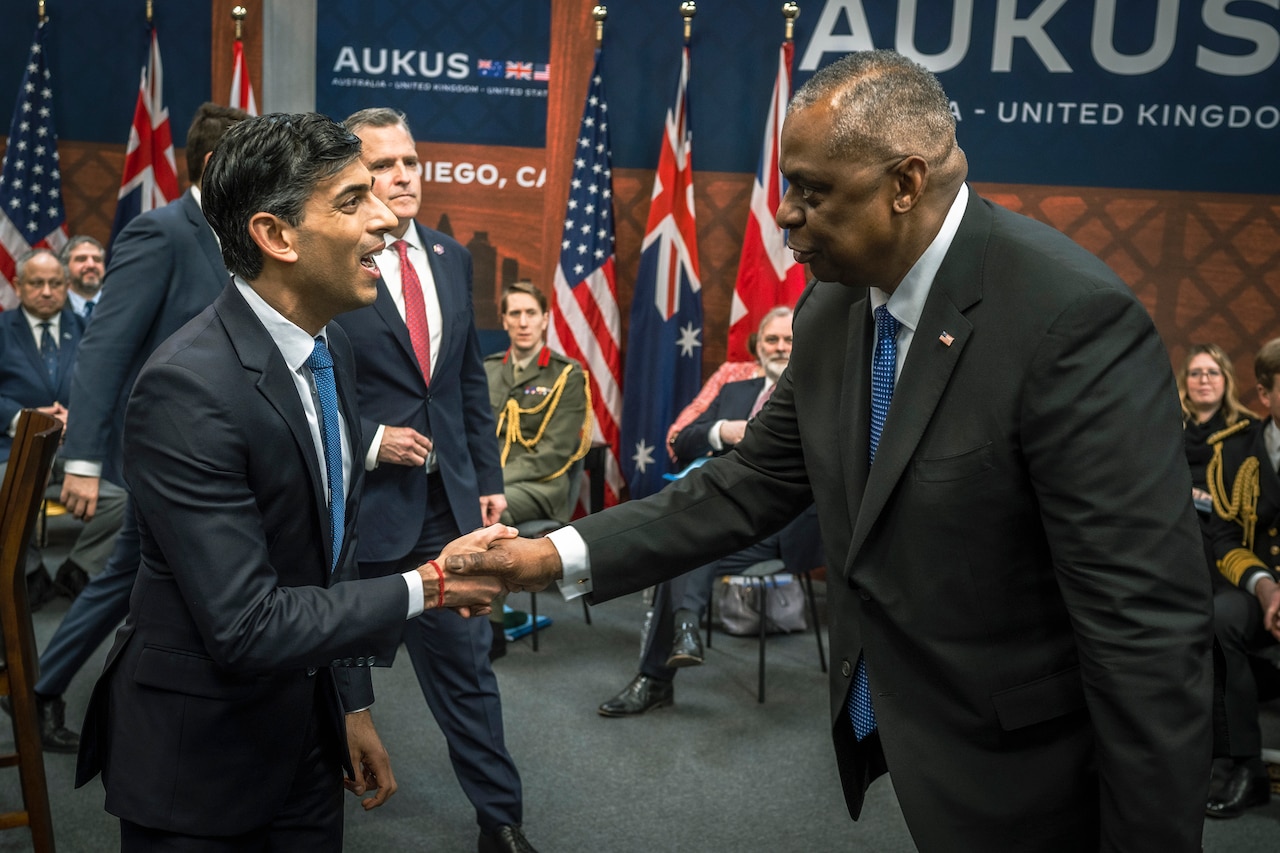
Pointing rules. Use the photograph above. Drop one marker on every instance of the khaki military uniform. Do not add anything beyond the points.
(544, 426)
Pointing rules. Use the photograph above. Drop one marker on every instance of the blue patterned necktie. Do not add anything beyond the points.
(49, 350)
(88, 311)
(884, 363)
(321, 364)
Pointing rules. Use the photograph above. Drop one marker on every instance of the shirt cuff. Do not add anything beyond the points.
(417, 599)
(575, 563)
(713, 436)
(371, 458)
(84, 468)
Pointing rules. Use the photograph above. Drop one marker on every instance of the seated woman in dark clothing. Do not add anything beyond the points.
(1207, 383)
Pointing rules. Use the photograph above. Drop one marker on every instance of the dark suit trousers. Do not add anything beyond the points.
(1237, 626)
(310, 818)
(450, 656)
(798, 544)
(97, 611)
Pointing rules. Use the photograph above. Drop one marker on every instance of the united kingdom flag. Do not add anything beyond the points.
(150, 177)
(519, 70)
(664, 343)
(31, 213)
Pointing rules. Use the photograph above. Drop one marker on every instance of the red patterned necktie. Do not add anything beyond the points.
(415, 311)
(761, 399)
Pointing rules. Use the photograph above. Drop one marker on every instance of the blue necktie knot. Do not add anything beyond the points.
(321, 363)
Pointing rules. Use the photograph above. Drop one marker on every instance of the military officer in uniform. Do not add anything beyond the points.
(541, 401)
(1245, 535)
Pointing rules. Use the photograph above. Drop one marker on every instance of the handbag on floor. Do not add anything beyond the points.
(736, 600)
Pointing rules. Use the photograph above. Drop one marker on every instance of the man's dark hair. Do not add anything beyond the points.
(525, 287)
(211, 122)
(1266, 366)
(269, 164)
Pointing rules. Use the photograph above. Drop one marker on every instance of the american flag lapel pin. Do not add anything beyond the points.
(946, 338)
(437, 248)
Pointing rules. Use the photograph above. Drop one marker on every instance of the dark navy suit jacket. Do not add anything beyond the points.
(24, 382)
(454, 411)
(165, 269)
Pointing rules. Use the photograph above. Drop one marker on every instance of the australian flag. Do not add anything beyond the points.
(664, 342)
(31, 212)
(491, 68)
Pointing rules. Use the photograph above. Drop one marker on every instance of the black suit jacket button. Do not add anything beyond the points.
(311, 671)
(845, 669)
(864, 595)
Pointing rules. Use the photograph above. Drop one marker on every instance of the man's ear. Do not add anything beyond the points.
(911, 176)
(276, 238)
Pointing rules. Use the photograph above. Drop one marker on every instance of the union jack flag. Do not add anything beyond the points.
(491, 68)
(664, 342)
(519, 70)
(241, 86)
(150, 178)
(586, 324)
(768, 274)
(31, 213)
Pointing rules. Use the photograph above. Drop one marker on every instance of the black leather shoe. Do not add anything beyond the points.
(70, 580)
(505, 839)
(686, 645)
(51, 711)
(642, 694)
(1243, 788)
(39, 589)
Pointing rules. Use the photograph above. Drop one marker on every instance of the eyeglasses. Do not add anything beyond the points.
(1204, 374)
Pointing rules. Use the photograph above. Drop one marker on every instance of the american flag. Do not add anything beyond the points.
(519, 70)
(542, 72)
(241, 86)
(491, 68)
(768, 274)
(664, 343)
(31, 213)
(150, 177)
(586, 324)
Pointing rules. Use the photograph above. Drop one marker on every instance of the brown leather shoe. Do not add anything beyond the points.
(642, 694)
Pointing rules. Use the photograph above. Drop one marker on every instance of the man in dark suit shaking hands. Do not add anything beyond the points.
(988, 425)
(433, 469)
(238, 690)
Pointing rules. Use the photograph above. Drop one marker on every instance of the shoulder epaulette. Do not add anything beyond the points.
(1222, 434)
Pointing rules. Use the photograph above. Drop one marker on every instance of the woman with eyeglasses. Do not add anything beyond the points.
(1207, 383)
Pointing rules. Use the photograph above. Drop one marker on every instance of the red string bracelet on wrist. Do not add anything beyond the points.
(439, 577)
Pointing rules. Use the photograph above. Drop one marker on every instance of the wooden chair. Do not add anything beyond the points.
(30, 459)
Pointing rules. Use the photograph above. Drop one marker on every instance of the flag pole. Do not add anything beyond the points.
(150, 12)
(238, 14)
(40, 13)
(687, 10)
(599, 13)
(790, 11)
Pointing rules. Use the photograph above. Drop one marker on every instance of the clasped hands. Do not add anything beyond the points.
(484, 563)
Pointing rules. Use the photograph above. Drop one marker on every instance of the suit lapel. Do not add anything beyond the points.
(259, 355)
(69, 335)
(204, 235)
(22, 331)
(928, 369)
(386, 308)
(444, 285)
(855, 404)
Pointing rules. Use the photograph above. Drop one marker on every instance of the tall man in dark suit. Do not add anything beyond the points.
(433, 464)
(238, 690)
(1016, 590)
(674, 640)
(165, 268)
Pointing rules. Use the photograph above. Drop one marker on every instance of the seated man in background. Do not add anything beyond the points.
(83, 257)
(539, 400)
(37, 354)
(673, 639)
(1246, 614)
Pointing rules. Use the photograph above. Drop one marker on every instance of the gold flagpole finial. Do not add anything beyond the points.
(150, 12)
(600, 13)
(40, 13)
(790, 11)
(238, 14)
(687, 10)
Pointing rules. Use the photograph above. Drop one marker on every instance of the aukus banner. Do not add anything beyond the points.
(1147, 94)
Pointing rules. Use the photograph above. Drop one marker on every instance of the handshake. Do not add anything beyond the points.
(475, 568)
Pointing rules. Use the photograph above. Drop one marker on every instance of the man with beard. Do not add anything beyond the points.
(83, 259)
(673, 639)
